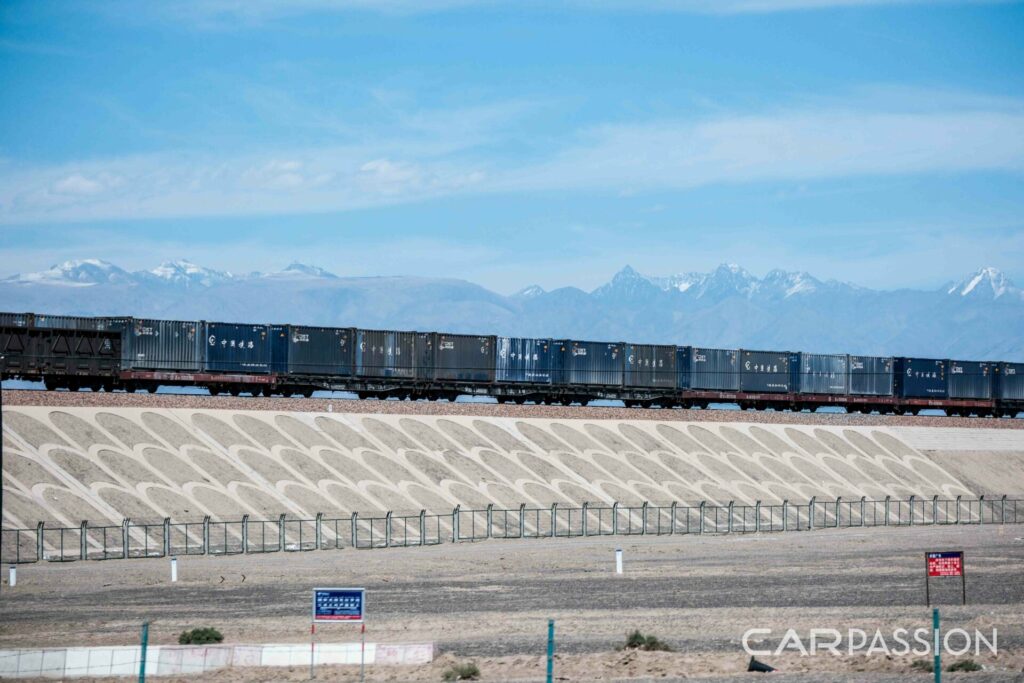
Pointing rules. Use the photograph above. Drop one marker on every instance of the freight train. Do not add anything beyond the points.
(132, 354)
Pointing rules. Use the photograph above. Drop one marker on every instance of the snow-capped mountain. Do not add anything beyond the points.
(978, 317)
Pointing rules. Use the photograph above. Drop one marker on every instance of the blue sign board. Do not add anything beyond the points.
(339, 604)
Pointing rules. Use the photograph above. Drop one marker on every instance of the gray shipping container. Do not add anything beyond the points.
(320, 350)
(715, 369)
(819, 373)
(463, 357)
(520, 359)
(871, 376)
(650, 366)
(72, 322)
(1010, 381)
(921, 378)
(970, 379)
(148, 344)
(385, 353)
(765, 371)
(16, 319)
(593, 363)
(238, 347)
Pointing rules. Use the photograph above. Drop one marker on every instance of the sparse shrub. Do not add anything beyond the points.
(922, 665)
(965, 665)
(462, 672)
(638, 641)
(200, 636)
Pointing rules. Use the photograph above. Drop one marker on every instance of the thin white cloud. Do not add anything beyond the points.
(809, 143)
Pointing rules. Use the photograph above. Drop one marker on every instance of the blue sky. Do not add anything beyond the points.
(510, 143)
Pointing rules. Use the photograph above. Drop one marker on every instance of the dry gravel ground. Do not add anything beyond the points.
(317, 405)
(489, 602)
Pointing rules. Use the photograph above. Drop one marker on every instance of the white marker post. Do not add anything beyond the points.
(174, 570)
(12, 580)
(618, 560)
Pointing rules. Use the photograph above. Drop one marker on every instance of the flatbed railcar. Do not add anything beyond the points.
(132, 354)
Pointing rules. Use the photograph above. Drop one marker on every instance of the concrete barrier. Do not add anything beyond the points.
(168, 660)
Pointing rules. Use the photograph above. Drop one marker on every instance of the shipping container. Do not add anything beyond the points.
(871, 376)
(921, 378)
(238, 347)
(1010, 381)
(970, 379)
(72, 322)
(463, 357)
(149, 344)
(385, 353)
(316, 350)
(592, 363)
(650, 366)
(16, 319)
(279, 349)
(713, 369)
(765, 371)
(819, 373)
(519, 359)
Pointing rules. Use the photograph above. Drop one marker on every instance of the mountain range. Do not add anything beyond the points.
(980, 316)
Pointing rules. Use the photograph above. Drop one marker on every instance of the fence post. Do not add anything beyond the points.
(672, 524)
(935, 509)
(643, 518)
(757, 516)
(981, 509)
(615, 518)
(490, 519)
(1002, 509)
(317, 531)
(863, 501)
(206, 534)
(355, 529)
(167, 536)
(554, 518)
(83, 534)
(455, 524)
(423, 527)
(912, 510)
(387, 530)
(522, 520)
(958, 509)
(280, 533)
(886, 520)
(839, 511)
(785, 515)
(583, 522)
(700, 525)
(124, 537)
(245, 533)
(728, 525)
(39, 541)
(810, 514)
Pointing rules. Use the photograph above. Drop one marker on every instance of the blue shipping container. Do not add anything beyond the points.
(237, 347)
(921, 378)
(523, 360)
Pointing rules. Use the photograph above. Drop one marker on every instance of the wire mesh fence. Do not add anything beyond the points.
(133, 539)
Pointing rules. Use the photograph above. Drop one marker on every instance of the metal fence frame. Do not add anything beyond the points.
(133, 539)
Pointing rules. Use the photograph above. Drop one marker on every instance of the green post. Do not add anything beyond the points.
(142, 659)
(551, 650)
(937, 663)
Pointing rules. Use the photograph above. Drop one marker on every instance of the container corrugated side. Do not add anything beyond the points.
(385, 353)
(714, 369)
(238, 347)
(871, 375)
(320, 350)
(71, 322)
(464, 358)
(765, 371)
(650, 366)
(151, 344)
(970, 379)
(593, 363)
(921, 378)
(16, 319)
(523, 360)
(1010, 381)
(819, 373)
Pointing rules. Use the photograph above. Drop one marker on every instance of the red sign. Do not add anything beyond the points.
(946, 563)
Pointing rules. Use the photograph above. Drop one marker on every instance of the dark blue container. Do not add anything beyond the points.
(1009, 383)
(970, 379)
(650, 366)
(921, 378)
(238, 347)
(385, 353)
(523, 360)
(587, 363)
(871, 375)
(279, 349)
(713, 369)
(316, 351)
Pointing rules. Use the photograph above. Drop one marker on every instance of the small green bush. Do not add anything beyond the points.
(922, 665)
(638, 641)
(965, 665)
(200, 636)
(462, 672)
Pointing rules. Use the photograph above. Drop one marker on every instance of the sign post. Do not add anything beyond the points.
(944, 563)
(339, 605)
